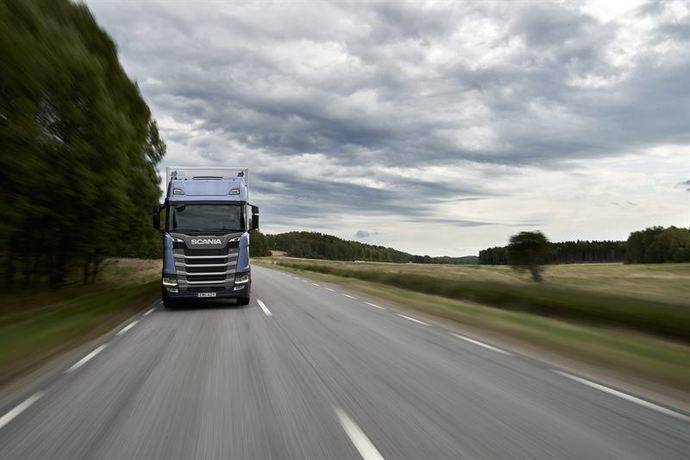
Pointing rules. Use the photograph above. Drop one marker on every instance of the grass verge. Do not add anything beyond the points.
(33, 334)
(626, 354)
(660, 318)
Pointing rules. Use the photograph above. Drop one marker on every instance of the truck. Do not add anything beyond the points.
(206, 222)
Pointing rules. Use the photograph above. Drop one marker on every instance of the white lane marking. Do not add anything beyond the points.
(481, 344)
(150, 310)
(625, 396)
(374, 305)
(314, 284)
(365, 447)
(19, 408)
(127, 327)
(349, 296)
(412, 319)
(264, 308)
(83, 361)
(332, 290)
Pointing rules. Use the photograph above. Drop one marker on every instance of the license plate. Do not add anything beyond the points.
(206, 294)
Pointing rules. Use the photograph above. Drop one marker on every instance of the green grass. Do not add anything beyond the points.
(35, 325)
(594, 306)
(630, 353)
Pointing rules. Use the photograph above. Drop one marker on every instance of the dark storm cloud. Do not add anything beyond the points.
(405, 196)
(405, 85)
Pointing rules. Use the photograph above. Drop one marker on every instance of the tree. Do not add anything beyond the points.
(527, 251)
(78, 168)
(258, 247)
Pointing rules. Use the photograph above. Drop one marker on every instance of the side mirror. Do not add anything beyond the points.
(157, 217)
(255, 217)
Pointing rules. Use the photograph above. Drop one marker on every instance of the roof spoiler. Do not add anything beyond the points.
(204, 173)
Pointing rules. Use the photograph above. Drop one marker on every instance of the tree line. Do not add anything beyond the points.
(78, 168)
(312, 245)
(658, 245)
(652, 245)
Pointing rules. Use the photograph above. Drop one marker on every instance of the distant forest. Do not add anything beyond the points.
(652, 245)
(312, 245)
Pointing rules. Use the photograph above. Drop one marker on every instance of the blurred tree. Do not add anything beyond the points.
(527, 251)
(77, 174)
(258, 247)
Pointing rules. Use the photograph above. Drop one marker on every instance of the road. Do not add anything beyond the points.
(315, 372)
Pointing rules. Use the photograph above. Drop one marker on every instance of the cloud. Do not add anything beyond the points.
(411, 112)
(362, 234)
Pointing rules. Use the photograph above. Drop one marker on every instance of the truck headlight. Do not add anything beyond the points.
(242, 278)
(169, 280)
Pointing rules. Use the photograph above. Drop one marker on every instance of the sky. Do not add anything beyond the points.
(437, 128)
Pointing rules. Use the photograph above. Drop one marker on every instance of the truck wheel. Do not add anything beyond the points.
(242, 300)
(169, 304)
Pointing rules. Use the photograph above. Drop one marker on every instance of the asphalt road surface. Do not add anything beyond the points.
(310, 371)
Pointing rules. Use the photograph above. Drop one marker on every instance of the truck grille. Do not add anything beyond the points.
(198, 268)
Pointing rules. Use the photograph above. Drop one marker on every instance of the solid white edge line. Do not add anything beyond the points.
(19, 408)
(329, 289)
(363, 445)
(481, 344)
(127, 327)
(412, 319)
(314, 284)
(625, 396)
(264, 308)
(349, 296)
(374, 305)
(149, 311)
(86, 358)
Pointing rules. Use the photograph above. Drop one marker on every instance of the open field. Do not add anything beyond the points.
(39, 324)
(569, 296)
(629, 352)
(667, 283)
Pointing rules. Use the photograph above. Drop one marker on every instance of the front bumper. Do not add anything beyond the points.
(222, 292)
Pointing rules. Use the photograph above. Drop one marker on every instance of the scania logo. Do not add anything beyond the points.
(206, 241)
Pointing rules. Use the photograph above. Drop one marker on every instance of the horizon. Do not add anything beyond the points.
(392, 121)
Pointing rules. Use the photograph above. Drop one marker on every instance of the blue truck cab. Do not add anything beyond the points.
(207, 218)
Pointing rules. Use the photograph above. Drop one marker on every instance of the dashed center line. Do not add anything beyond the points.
(481, 344)
(374, 305)
(413, 319)
(314, 284)
(265, 309)
(19, 408)
(86, 358)
(363, 445)
(127, 327)
(332, 290)
(349, 296)
(625, 396)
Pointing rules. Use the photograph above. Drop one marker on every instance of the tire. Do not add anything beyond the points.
(243, 301)
(169, 304)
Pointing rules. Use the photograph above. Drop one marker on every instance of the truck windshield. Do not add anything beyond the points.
(205, 218)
